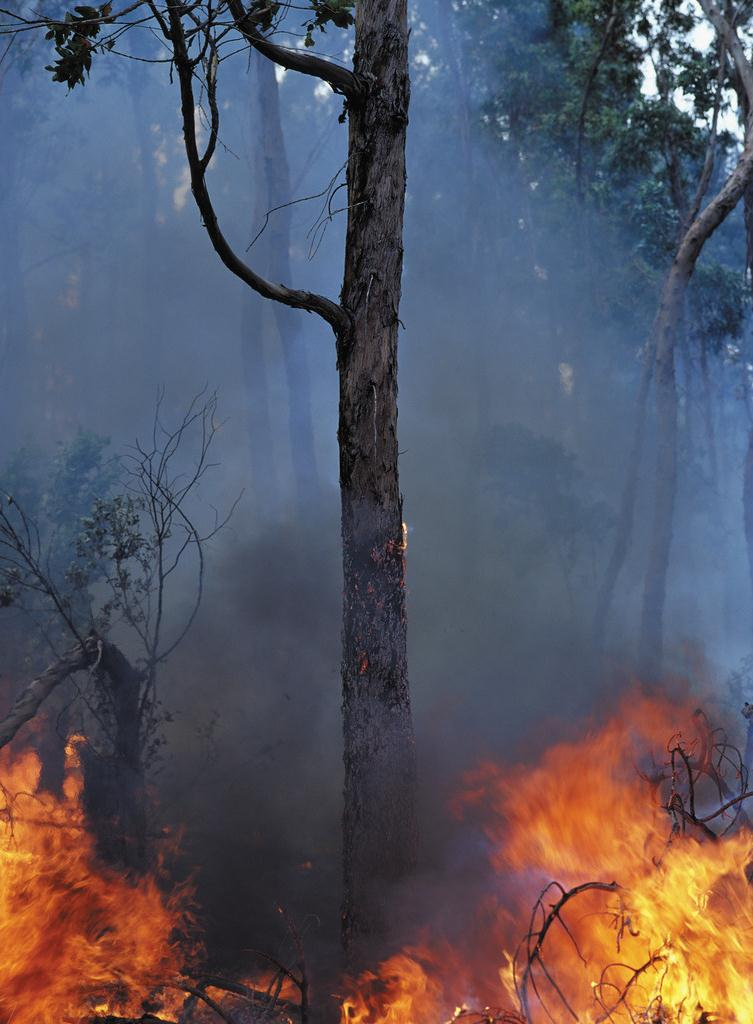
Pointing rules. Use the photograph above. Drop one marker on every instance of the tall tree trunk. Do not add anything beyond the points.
(748, 466)
(272, 190)
(150, 350)
(748, 503)
(295, 360)
(14, 325)
(258, 317)
(379, 816)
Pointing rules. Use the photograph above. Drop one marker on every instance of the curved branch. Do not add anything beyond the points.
(330, 311)
(29, 701)
(340, 79)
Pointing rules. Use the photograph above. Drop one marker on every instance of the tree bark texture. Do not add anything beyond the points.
(114, 794)
(379, 816)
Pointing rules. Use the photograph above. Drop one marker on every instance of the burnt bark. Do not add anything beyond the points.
(114, 794)
(379, 827)
(379, 816)
(31, 698)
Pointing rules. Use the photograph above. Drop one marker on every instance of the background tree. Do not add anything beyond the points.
(84, 576)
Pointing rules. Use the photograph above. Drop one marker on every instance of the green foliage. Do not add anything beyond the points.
(601, 173)
(115, 545)
(56, 492)
(325, 12)
(719, 301)
(77, 36)
(74, 42)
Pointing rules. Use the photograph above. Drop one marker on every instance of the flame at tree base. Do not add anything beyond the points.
(631, 849)
(650, 919)
(76, 940)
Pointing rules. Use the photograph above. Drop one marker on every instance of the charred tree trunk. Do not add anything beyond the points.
(114, 795)
(379, 817)
(379, 824)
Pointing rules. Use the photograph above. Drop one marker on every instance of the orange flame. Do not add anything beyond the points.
(76, 939)
(670, 942)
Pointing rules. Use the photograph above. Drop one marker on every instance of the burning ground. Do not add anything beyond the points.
(618, 891)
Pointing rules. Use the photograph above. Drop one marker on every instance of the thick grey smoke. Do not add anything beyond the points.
(115, 291)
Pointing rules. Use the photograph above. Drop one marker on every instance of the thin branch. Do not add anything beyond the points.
(29, 701)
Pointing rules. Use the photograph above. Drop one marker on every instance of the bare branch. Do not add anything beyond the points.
(330, 311)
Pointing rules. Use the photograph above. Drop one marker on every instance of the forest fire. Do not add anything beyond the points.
(77, 940)
(636, 857)
(631, 844)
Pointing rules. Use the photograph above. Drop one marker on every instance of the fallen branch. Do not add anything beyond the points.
(29, 701)
(254, 996)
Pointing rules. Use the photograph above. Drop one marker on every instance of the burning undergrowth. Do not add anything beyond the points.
(78, 940)
(631, 844)
(633, 849)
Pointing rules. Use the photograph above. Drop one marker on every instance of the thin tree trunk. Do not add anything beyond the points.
(748, 503)
(30, 700)
(623, 533)
(14, 325)
(379, 817)
(748, 466)
(295, 360)
(665, 332)
(258, 317)
(708, 416)
(151, 309)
